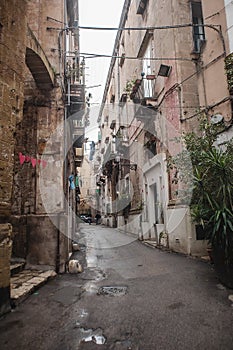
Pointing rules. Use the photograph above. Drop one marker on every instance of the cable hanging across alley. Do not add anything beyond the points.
(174, 26)
(216, 27)
(114, 56)
(94, 55)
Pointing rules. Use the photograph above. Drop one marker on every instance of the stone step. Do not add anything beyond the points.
(27, 282)
(16, 267)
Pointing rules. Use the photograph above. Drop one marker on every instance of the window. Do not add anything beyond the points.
(198, 30)
(147, 84)
(150, 145)
(141, 6)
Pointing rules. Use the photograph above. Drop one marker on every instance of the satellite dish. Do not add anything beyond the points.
(216, 118)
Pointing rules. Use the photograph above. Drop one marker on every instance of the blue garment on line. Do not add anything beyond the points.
(71, 180)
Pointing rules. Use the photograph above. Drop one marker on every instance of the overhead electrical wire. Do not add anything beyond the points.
(95, 55)
(174, 26)
(217, 28)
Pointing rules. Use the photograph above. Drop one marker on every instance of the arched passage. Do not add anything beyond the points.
(38, 63)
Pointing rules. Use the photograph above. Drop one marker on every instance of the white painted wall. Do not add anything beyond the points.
(155, 173)
(229, 16)
(182, 233)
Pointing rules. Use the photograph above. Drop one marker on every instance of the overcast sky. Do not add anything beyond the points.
(98, 13)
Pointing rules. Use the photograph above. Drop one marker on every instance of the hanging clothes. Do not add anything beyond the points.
(92, 150)
(71, 182)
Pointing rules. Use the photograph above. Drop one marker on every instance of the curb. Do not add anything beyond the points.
(27, 282)
(153, 245)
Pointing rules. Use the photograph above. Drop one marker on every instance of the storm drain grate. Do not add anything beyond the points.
(112, 290)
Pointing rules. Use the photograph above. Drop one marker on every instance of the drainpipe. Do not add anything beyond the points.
(77, 46)
(65, 206)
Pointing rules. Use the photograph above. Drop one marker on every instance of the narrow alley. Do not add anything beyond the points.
(116, 161)
(129, 296)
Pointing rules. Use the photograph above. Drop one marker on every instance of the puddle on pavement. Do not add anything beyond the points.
(90, 335)
(91, 261)
(90, 288)
(81, 316)
(83, 313)
(112, 290)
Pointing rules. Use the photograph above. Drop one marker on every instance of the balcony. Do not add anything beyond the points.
(78, 140)
(76, 98)
(79, 154)
(78, 128)
(121, 146)
(146, 112)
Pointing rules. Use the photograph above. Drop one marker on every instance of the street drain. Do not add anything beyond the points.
(112, 290)
(90, 335)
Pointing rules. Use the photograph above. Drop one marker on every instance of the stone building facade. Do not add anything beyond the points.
(12, 72)
(36, 143)
(167, 69)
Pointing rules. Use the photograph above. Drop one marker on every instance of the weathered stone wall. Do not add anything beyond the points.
(38, 190)
(213, 80)
(37, 139)
(47, 246)
(5, 254)
(42, 15)
(29, 116)
(19, 236)
(12, 64)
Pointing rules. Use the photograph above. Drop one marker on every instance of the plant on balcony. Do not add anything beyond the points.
(129, 87)
(212, 194)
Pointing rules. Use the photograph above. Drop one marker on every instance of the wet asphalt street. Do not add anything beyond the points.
(130, 296)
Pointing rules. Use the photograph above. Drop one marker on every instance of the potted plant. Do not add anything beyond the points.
(212, 194)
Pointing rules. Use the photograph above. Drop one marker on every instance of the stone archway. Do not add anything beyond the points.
(38, 63)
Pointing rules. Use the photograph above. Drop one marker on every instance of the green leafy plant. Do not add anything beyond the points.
(129, 87)
(211, 182)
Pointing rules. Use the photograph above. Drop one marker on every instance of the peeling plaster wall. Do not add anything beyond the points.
(213, 80)
(177, 97)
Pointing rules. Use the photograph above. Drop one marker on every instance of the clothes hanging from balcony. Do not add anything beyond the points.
(92, 150)
(71, 182)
